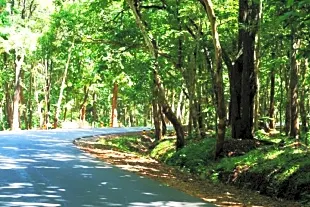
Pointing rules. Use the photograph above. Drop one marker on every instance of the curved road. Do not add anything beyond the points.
(43, 168)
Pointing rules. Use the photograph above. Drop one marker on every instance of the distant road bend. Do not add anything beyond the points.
(43, 168)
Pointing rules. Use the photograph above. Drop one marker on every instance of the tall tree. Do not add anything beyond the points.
(295, 43)
(152, 45)
(219, 90)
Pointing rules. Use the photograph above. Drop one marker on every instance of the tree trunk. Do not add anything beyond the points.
(113, 121)
(272, 93)
(153, 49)
(83, 105)
(257, 64)
(235, 102)
(18, 67)
(47, 90)
(180, 106)
(219, 88)
(288, 102)
(9, 105)
(236, 82)
(248, 92)
(293, 85)
(62, 87)
(303, 97)
(163, 123)
(94, 111)
(30, 102)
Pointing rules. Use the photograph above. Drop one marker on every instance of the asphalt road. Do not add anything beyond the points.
(44, 168)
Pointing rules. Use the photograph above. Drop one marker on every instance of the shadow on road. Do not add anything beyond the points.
(44, 169)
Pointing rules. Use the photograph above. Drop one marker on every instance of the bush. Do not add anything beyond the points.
(194, 156)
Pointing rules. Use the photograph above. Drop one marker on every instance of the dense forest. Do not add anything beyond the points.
(228, 66)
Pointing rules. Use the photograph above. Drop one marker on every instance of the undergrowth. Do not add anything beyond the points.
(279, 169)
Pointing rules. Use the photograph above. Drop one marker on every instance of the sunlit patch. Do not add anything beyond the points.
(28, 204)
(54, 157)
(149, 194)
(46, 167)
(167, 204)
(209, 199)
(11, 166)
(103, 167)
(52, 187)
(125, 176)
(230, 203)
(82, 166)
(20, 196)
(17, 185)
(11, 148)
(52, 196)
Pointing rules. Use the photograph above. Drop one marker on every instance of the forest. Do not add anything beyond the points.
(233, 70)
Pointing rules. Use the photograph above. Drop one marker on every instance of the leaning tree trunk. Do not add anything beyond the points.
(62, 87)
(152, 45)
(156, 117)
(219, 88)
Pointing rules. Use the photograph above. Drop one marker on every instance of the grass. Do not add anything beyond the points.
(123, 143)
(279, 170)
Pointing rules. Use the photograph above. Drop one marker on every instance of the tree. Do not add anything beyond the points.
(221, 107)
(153, 49)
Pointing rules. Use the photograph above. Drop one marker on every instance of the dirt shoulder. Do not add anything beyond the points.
(219, 194)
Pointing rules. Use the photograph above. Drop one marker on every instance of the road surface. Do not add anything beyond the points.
(44, 168)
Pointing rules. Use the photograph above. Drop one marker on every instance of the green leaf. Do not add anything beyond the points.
(289, 3)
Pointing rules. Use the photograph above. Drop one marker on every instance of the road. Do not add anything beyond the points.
(44, 168)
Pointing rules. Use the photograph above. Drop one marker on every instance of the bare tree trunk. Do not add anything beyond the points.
(272, 94)
(62, 88)
(288, 102)
(303, 96)
(18, 67)
(48, 67)
(221, 108)
(156, 116)
(180, 106)
(95, 111)
(30, 102)
(9, 105)
(83, 105)
(113, 122)
(257, 64)
(294, 85)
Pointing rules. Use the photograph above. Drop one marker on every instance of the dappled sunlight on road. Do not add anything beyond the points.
(45, 169)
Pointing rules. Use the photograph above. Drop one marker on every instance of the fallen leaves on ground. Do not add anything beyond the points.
(218, 194)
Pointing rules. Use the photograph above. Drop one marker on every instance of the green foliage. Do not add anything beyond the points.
(280, 172)
(163, 150)
(123, 143)
(195, 156)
